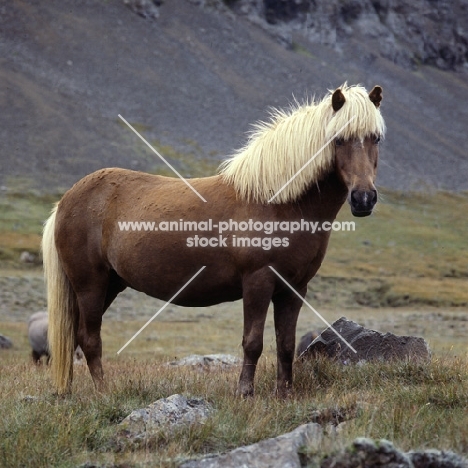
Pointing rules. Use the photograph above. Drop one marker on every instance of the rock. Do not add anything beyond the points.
(369, 344)
(381, 453)
(208, 361)
(168, 412)
(5, 343)
(437, 459)
(281, 452)
(104, 465)
(30, 398)
(367, 452)
(299, 448)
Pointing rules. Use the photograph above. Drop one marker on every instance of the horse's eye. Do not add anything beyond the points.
(376, 141)
(339, 142)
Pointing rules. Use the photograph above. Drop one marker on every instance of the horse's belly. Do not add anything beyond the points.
(186, 280)
(200, 291)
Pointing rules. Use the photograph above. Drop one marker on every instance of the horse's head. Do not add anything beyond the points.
(356, 156)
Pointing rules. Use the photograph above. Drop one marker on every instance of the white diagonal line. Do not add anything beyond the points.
(311, 159)
(163, 159)
(161, 309)
(312, 309)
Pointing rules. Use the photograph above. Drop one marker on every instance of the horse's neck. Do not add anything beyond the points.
(324, 198)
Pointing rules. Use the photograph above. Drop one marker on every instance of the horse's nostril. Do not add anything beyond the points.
(357, 196)
(364, 196)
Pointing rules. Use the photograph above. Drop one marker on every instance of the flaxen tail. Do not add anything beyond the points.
(62, 308)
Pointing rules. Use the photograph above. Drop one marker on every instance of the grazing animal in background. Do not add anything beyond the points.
(302, 165)
(37, 334)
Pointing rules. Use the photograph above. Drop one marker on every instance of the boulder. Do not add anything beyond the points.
(165, 413)
(368, 344)
(281, 452)
(382, 453)
(437, 459)
(5, 343)
(367, 452)
(208, 361)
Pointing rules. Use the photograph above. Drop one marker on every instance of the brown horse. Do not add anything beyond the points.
(301, 165)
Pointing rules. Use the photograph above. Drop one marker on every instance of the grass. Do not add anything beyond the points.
(411, 253)
(21, 218)
(414, 406)
(415, 243)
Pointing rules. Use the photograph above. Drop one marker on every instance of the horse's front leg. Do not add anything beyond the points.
(257, 292)
(286, 311)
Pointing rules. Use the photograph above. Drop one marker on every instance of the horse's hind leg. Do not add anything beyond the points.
(92, 304)
(286, 312)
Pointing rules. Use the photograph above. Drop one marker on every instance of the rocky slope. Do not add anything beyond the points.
(407, 33)
(193, 75)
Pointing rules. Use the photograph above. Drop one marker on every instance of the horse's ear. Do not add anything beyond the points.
(376, 95)
(338, 100)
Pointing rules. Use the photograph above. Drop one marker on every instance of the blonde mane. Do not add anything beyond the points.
(278, 149)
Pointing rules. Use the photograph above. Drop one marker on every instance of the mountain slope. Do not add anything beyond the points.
(194, 79)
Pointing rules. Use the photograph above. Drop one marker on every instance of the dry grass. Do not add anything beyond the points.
(415, 406)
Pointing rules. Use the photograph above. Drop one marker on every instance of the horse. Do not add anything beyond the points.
(303, 163)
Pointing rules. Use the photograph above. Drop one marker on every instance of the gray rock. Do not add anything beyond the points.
(30, 398)
(367, 452)
(5, 343)
(173, 411)
(368, 344)
(437, 459)
(208, 361)
(281, 452)
(382, 453)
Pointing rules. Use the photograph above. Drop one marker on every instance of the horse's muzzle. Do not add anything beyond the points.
(362, 202)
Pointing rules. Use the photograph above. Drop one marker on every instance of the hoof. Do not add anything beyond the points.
(283, 392)
(245, 390)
